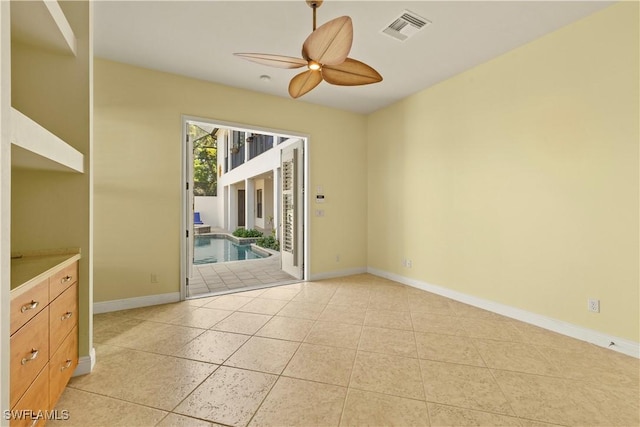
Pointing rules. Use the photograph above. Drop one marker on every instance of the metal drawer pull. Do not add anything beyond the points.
(66, 278)
(34, 355)
(66, 365)
(67, 315)
(30, 306)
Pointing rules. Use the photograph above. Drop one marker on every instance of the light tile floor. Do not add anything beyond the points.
(358, 350)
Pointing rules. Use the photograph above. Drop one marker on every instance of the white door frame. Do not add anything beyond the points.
(291, 261)
(186, 226)
(187, 177)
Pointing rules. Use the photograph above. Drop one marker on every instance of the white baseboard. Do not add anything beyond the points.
(601, 339)
(86, 364)
(338, 273)
(125, 304)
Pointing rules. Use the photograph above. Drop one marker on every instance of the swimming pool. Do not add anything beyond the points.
(208, 249)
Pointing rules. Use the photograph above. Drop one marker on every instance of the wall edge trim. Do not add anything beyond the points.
(622, 345)
(127, 303)
(86, 363)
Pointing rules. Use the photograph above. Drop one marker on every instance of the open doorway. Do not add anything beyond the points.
(245, 210)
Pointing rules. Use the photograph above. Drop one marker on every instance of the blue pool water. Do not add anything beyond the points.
(208, 249)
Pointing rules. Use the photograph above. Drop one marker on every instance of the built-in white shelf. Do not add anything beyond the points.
(34, 147)
(42, 23)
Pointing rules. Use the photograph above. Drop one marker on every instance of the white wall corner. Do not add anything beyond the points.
(86, 363)
(136, 302)
(600, 339)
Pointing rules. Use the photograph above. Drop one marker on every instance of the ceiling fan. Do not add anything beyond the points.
(324, 53)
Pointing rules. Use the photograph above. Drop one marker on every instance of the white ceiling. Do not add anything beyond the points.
(198, 38)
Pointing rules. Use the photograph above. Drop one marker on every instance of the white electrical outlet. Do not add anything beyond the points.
(409, 263)
(594, 305)
(154, 278)
(338, 258)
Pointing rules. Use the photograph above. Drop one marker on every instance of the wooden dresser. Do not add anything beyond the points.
(44, 334)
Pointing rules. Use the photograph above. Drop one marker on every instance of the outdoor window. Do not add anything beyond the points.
(259, 202)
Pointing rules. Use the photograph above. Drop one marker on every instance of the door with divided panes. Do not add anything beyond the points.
(292, 209)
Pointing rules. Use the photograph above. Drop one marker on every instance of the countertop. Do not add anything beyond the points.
(31, 267)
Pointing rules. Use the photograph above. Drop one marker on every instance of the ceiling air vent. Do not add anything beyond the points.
(406, 25)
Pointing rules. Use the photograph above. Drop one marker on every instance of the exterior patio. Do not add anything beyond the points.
(224, 277)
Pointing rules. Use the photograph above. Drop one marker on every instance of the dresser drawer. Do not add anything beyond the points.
(35, 401)
(29, 349)
(25, 306)
(62, 280)
(63, 316)
(62, 365)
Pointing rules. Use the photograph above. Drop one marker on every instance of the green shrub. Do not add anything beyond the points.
(242, 232)
(268, 242)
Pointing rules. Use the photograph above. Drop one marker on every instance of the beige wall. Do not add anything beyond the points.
(517, 181)
(138, 173)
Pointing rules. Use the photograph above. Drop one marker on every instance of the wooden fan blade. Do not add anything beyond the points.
(277, 61)
(304, 82)
(330, 43)
(350, 73)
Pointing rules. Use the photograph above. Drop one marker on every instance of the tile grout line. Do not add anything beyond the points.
(415, 340)
(504, 395)
(233, 367)
(353, 365)
(278, 376)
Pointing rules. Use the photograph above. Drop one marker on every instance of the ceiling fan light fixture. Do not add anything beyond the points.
(314, 66)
